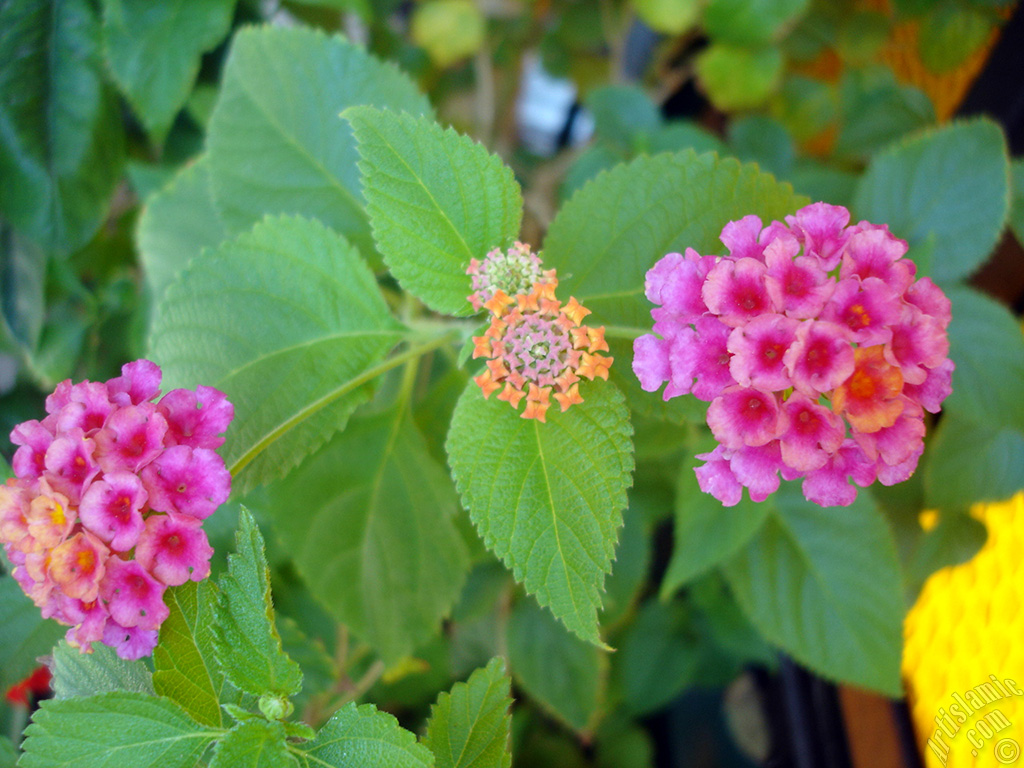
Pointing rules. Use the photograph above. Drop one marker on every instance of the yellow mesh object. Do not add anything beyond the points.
(963, 660)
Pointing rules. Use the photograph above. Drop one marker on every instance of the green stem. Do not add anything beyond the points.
(351, 385)
(624, 332)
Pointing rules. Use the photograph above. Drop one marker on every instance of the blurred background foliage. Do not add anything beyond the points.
(104, 103)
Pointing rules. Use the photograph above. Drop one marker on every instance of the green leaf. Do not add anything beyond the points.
(363, 736)
(102, 671)
(823, 182)
(673, 17)
(610, 233)
(61, 141)
(951, 33)
(245, 641)
(295, 382)
(705, 532)
(449, 30)
(862, 35)
(547, 498)
(24, 634)
(632, 560)
(968, 463)
(956, 539)
(986, 344)
(763, 141)
(751, 22)
(1017, 207)
(824, 584)
(113, 730)
(154, 51)
(621, 113)
(566, 676)
(950, 183)
(22, 288)
(254, 743)
(368, 522)
(176, 224)
(275, 140)
(586, 166)
(683, 134)
(805, 106)
(877, 110)
(185, 670)
(469, 727)
(736, 78)
(8, 756)
(435, 200)
(659, 657)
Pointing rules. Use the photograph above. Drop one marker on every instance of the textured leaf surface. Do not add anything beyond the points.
(358, 736)
(246, 643)
(470, 727)
(986, 344)
(564, 675)
(284, 320)
(968, 463)
(254, 743)
(24, 634)
(102, 671)
(113, 730)
(948, 185)
(276, 142)
(22, 288)
(547, 498)
(154, 51)
(825, 586)
(368, 521)
(176, 224)
(705, 532)
(61, 141)
(612, 231)
(185, 669)
(435, 200)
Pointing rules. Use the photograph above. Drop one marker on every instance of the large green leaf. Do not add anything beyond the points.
(1017, 206)
(876, 110)
(435, 200)
(22, 288)
(61, 141)
(612, 231)
(705, 532)
(24, 634)
(824, 584)
(176, 224)
(566, 676)
(547, 498)
(659, 657)
(185, 669)
(275, 140)
(368, 521)
(154, 50)
(751, 22)
(245, 639)
(947, 187)
(986, 344)
(469, 727)
(968, 463)
(255, 743)
(101, 671)
(113, 730)
(363, 736)
(951, 33)
(295, 380)
(622, 113)
(8, 756)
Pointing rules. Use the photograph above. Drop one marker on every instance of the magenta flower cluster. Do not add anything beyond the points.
(816, 347)
(107, 505)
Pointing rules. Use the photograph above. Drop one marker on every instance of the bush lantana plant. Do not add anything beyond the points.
(341, 435)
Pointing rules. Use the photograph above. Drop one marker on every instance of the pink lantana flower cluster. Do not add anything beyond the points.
(815, 345)
(107, 505)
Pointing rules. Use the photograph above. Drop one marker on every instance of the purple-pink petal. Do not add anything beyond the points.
(191, 481)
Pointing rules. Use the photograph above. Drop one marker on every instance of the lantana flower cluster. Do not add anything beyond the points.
(536, 346)
(814, 344)
(106, 508)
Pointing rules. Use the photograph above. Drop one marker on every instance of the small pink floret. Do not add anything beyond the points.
(174, 549)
